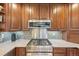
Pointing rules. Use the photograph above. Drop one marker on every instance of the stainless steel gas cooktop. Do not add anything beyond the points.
(39, 42)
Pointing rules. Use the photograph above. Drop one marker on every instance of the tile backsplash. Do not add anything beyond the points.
(23, 34)
(6, 36)
(19, 35)
(27, 35)
(55, 35)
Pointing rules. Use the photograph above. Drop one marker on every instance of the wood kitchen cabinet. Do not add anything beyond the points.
(62, 16)
(71, 51)
(59, 16)
(77, 51)
(35, 11)
(20, 51)
(11, 53)
(73, 36)
(58, 51)
(15, 17)
(61, 51)
(74, 16)
(44, 11)
(39, 11)
(2, 17)
(26, 11)
(53, 17)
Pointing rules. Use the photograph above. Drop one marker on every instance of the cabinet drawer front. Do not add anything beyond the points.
(59, 50)
(59, 54)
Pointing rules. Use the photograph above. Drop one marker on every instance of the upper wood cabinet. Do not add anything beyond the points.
(39, 11)
(34, 11)
(2, 17)
(44, 11)
(53, 16)
(15, 17)
(25, 16)
(74, 16)
(59, 16)
(62, 16)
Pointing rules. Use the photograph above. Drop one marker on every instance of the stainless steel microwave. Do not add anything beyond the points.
(39, 23)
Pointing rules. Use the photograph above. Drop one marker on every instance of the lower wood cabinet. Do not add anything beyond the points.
(59, 51)
(20, 51)
(71, 51)
(11, 53)
(73, 36)
(78, 52)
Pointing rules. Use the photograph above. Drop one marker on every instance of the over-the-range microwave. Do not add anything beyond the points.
(39, 24)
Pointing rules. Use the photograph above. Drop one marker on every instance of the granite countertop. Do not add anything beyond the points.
(8, 46)
(63, 43)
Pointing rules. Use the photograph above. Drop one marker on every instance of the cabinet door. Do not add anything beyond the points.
(73, 36)
(59, 16)
(71, 52)
(53, 17)
(77, 52)
(25, 16)
(15, 22)
(74, 16)
(34, 11)
(20, 51)
(62, 16)
(44, 11)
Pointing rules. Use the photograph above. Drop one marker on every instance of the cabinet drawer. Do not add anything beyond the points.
(59, 50)
(59, 54)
